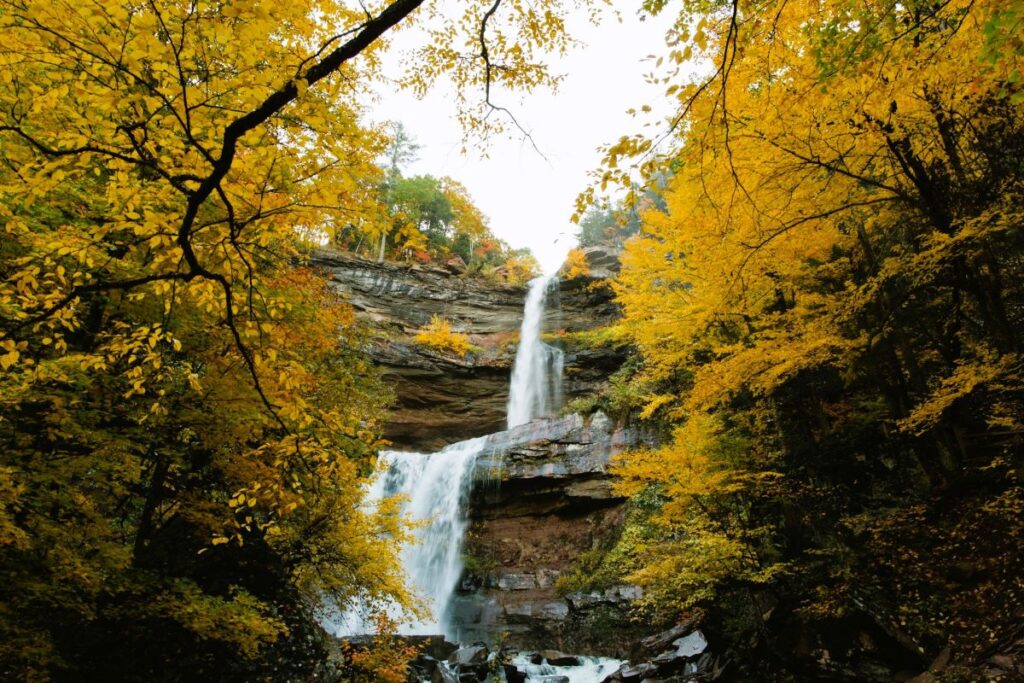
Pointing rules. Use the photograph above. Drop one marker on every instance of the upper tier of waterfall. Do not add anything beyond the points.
(536, 386)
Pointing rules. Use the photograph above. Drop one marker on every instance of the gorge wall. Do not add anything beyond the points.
(543, 493)
(543, 496)
(442, 398)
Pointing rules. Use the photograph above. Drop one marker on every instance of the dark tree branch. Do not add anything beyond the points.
(221, 165)
(489, 69)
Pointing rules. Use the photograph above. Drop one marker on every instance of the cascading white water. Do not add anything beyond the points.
(536, 387)
(588, 670)
(436, 487)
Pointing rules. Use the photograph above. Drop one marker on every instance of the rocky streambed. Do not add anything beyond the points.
(679, 654)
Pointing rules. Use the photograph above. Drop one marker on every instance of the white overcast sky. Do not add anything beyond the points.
(529, 200)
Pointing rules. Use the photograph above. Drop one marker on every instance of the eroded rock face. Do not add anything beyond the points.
(603, 260)
(406, 297)
(551, 466)
(442, 398)
(542, 496)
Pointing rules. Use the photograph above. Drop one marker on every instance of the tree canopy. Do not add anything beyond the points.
(822, 280)
(188, 416)
(828, 315)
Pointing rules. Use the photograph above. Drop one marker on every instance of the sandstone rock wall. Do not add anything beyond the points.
(543, 496)
(442, 398)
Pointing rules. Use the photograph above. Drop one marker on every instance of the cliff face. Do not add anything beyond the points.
(442, 398)
(543, 496)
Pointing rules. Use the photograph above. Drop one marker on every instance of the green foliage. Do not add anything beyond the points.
(614, 557)
(621, 395)
(605, 336)
(428, 219)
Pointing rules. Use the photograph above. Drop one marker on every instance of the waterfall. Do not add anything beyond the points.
(536, 385)
(436, 488)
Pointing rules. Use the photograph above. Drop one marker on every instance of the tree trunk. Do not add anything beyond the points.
(153, 497)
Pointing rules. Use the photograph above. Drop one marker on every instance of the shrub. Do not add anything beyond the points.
(439, 335)
(575, 265)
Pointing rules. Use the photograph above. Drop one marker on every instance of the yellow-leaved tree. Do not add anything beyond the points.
(187, 416)
(828, 316)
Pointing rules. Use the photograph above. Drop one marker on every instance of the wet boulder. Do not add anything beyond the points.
(470, 655)
(556, 658)
(512, 674)
(444, 674)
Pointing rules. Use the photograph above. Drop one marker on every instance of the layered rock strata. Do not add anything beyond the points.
(441, 397)
(543, 495)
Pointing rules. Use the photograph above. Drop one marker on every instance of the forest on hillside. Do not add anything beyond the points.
(822, 296)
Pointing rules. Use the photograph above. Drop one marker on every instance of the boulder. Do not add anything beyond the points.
(512, 674)
(443, 674)
(471, 655)
(681, 658)
(516, 582)
(431, 646)
(690, 646)
(599, 422)
(556, 658)
(424, 666)
(633, 674)
(546, 578)
(661, 641)
(531, 611)
(614, 596)
(455, 265)
(603, 261)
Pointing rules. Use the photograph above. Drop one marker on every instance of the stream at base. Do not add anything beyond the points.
(588, 670)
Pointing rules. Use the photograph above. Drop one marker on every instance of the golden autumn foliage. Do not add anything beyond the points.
(827, 309)
(187, 413)
(575, 265)
(385, 659)
(439, 335)
(517, 270)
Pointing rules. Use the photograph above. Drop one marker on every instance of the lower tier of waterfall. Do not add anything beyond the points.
(584, 670)
(434, 487)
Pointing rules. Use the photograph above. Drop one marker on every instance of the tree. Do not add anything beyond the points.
(187, 416)
(401, 150)
(422, 212)
(826, 317)
(608, 222)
